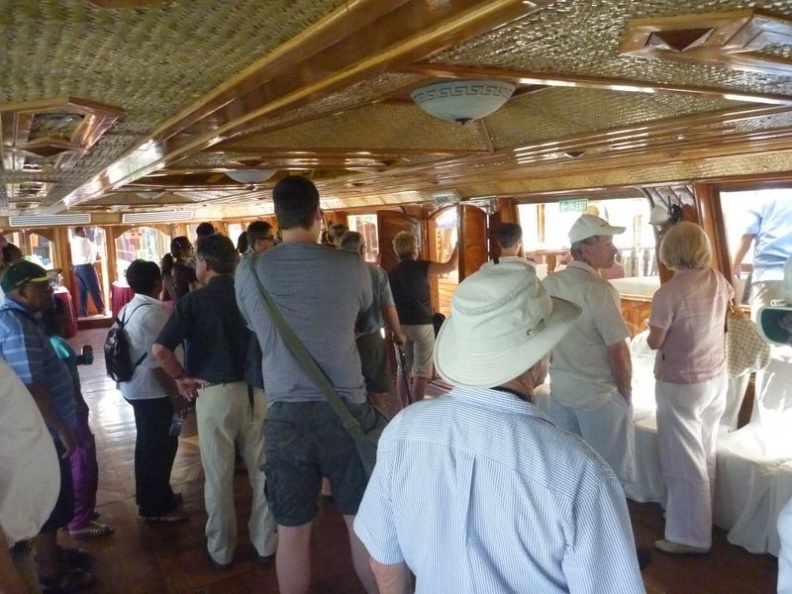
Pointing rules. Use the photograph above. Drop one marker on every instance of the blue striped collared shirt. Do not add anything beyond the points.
(26, 348)
(478, 493)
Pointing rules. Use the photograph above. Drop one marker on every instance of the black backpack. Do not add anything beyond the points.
(118, 361)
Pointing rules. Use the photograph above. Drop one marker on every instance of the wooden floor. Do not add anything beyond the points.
(160, 559)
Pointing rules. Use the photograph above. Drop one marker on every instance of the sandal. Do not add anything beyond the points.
(66, 582)
(91, 530)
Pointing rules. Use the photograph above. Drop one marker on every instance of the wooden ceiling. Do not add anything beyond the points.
(124, 105)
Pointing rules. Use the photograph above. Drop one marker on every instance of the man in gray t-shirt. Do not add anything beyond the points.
(320, 291)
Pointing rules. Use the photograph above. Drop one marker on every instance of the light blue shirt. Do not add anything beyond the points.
(771, 224)
(479, 492)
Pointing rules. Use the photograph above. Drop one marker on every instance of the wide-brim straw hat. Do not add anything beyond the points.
(502, 322)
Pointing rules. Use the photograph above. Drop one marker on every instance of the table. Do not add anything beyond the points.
(120, 294)
(62, 294)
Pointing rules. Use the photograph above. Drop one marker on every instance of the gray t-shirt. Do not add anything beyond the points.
(320, 291)
(372, 319)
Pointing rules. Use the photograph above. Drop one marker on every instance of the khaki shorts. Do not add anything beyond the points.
(419, 350)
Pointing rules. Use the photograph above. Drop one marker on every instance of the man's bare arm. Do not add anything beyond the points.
(391, 579)
(445, 267)
(742, 249)
(392, 322)
(188, 385)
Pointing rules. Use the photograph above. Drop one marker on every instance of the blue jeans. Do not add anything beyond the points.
(88, 283)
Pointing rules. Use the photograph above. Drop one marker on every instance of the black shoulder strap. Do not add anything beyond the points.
(123, 322)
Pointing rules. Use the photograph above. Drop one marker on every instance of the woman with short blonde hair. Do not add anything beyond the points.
(686, 327)
(686, 247)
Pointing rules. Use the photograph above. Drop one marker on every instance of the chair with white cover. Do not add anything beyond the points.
(649, 484)
(751, 459)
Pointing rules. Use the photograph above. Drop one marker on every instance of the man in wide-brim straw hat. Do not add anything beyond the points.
(477, 491)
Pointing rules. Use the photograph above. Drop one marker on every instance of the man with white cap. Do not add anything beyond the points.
(477, 491)
(591, 370)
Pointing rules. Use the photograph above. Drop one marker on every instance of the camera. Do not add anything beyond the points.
(86, 356)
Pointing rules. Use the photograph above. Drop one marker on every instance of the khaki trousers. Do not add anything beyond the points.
(225, 416)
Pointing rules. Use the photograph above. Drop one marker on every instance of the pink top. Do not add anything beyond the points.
(692, 308)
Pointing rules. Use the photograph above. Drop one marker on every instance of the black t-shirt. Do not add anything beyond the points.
(409, 281)
(216, 335)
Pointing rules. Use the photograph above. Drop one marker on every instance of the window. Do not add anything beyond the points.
(140, 243)
(546, 227)
(35, 248)
(737, 214)
(366, 225)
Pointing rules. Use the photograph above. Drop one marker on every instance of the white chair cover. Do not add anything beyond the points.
(750, 461)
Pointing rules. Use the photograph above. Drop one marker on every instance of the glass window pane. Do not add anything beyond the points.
(366, 225)
(140, 243)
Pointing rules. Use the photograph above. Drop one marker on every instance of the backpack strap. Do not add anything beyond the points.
(122, 323)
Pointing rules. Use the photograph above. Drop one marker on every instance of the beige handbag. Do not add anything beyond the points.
(746, 350)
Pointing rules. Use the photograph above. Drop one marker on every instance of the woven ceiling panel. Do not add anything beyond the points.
(766, 123)
(561, 112)
(357, 94)
(382, 126)
(583, 37)
(150, 61)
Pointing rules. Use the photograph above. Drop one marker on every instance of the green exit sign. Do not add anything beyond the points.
(577, 205)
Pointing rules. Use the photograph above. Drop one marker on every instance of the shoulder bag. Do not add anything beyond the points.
(365, 441)
(746, 350)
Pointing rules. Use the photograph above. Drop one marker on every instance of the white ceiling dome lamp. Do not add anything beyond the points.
(463, 100)
(250, 177)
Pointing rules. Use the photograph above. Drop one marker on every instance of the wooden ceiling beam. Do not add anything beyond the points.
(367, 37)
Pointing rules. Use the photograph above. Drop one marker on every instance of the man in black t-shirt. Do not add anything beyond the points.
(409, 282)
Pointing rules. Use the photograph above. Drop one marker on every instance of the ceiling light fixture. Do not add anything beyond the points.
(463, 100)
(149, 194)
(250, 176)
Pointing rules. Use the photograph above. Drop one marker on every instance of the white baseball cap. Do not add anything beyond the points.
(590, 226)
(502, 322)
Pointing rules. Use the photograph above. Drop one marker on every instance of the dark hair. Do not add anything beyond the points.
(351, 241)
(296, 200)
(243, 243)
(336, 231)
(179, 244)
(258, 230)
(205, 229)
(167, 264)
(508, 234)
(142, 276)
(8, 252)
(219, 253)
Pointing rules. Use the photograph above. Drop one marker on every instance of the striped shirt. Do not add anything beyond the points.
(27, 350)
(478, 492)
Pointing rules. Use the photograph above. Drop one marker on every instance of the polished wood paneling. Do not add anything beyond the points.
(389, 223)
(472, 240)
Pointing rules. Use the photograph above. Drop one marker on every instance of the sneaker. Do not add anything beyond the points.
(677, 548)
(91, 530)
(66, 582)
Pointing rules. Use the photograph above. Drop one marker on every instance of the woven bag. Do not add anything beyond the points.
(746, 350)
